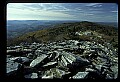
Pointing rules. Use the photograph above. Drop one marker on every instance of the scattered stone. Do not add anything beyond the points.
(71, 59)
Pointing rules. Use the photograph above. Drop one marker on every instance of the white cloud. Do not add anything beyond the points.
(13, 13)
(97, 6)
(56, 11)
(54, 7)
(93, 4)
(114, 11)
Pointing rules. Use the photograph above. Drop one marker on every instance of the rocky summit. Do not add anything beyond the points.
(67, 59)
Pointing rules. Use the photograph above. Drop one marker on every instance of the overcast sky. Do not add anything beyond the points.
(96, 12)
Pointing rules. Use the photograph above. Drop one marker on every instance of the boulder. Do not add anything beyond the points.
(38, 60)
(14, 69)
(82, 61)
(78, 65)
(20, 59)
(47, 75)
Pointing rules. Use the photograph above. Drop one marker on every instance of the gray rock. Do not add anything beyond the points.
(98, 67)
(78, 65)
(57, 73)
(76, 42)
(10, 51)
(109, 77)
(49, 64)
(20, 59)
(64, 59)
(54, 73)
(53, 55)
(82, 61)
(80, 75)
(69, 56)
(89, 69)
(25, 59)
(31, 76)
(48, 75)
(68, 60)
(12, 68)
(62, 72)
(62, 44)
(30, 55)
(27, 50)
(38, 51)
(61, 65)
(101, 60)
(38, 60)
(33, 47)
(115, 70)
(8, 56)
(17, 53)
(57, 54)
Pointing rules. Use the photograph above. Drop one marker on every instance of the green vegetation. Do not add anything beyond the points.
(67, 31)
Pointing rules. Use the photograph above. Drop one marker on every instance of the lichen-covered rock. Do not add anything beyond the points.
(80, 75)
(48, 75)
(54, 73)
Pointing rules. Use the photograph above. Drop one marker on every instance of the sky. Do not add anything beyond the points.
(96, 12)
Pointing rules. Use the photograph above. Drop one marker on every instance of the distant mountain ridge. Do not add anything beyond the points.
(19, 27)
(66, 31)
(115, 24)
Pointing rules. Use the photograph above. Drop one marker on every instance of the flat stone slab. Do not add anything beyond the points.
(38, 60)
(49, 64)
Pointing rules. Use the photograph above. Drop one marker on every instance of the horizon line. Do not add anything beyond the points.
(59, 20)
